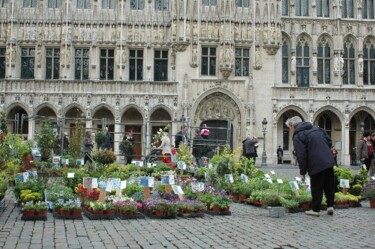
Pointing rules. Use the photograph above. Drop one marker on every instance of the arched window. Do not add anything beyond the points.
(324, 62)
(347, 9)
(302, 7)
(368, 9)
(303, 63)
(322, 8)
(369, 62)
(285, 62)
(285, 7)
(369, 124)
(349, 63)
(325, 122)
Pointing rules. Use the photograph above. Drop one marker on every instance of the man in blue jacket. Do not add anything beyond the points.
(313, 150)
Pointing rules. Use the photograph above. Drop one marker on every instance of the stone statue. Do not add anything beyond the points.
(39, 57)
(360, 64)
(195, 30)
(258, 58)
(315, 62)
(188, 31)
(174, 28)
(293, 63)
(124, 57)
(194, 57)
(336, 63)
(341, 63)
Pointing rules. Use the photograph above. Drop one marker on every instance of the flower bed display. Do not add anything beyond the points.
(160, 209)
(34, 211)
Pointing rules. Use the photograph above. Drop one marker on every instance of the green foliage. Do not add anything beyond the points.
(370, 194)
(33, 185)
(3, 185)
(104, 156)
(341, 173)
(100, 139)
(13, 148)
(131, 189)
(75, 142)
(3, 122)
(224, 163)
(162, 167)
(184, 155)
(126, 148)
(355, 189)
(289, 203)
(46, 139)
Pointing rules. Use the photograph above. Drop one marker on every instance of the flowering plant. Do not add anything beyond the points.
(125, 206)
(159, 135)
(28, 206)
(169, 207)
(368, 191)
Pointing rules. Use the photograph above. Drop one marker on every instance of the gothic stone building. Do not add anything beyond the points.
(141, 64)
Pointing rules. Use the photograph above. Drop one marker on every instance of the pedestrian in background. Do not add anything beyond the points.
(280, 154)
(108, 140)
(181, 137)
(87, 146)
(249, 147)
(313, 150)
(365, 150)
(198, 145)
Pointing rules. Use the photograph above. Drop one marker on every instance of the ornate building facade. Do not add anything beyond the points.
(142, 64)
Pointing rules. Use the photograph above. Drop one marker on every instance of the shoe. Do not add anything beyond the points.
(330, 210)
(312, 213)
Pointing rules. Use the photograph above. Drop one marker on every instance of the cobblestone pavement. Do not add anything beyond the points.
(247, 227)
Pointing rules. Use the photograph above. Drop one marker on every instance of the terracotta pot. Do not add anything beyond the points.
(41, 213)
(109, 211)
(235, 197)
(76, 212)
(372, 203)
(242, 198)
(65, 212)
(226, 209)
(58, 211)
(305, 205)
(98, 212)
(129, 213)
(160, 212)
(216, 209)
(28, 213)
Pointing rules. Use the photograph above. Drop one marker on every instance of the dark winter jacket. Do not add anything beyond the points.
(313, 149)
(198, 145)
(248, 147)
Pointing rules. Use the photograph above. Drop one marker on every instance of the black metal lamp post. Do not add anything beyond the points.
(264, 155)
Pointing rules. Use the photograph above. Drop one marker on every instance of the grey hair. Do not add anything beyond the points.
(293, 121)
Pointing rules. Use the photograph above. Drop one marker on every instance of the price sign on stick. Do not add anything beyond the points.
(146, 193)
(344, 183)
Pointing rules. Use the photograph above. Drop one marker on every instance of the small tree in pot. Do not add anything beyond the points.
(126, 149)
(46, 140)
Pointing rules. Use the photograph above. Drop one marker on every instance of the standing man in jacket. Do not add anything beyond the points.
(313, 151)
(365, 150)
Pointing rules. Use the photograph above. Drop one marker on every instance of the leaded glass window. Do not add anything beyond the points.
(368, 9)
(324, 62)
(82, 63)
(349, 63)
(136, 65)
(208, 66)
(347, 8)
(2, 63)
(303, 63)
(137, 4)
(209, 2)
(161, 5)
(369, 63)
(161, 65)
(84, 4)
(322, 8)
(285, 7)
(3, 3)
(302, 7)
(242, 3)
(54, 3)
(52, 63)
(107, 60)
(29, 3)
(285, 62)
(108, 4)
(325, 122)
(27, 63)
(242, 62)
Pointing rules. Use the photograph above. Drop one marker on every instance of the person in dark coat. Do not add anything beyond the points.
(249, 147)
(280, 154)
(198, 145)
(108, 141)
(313, 151)
(181, 137)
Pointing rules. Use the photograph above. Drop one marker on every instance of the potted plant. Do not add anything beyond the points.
(368, 192)
(341, 199)
(46, 140)
(290, 204)
(108, 208)
(126, 149)
(129, 208)
(28, 209)
(370, 195)
(41, 209)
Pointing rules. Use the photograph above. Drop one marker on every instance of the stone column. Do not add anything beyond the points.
(345, 150)
(31, 129)
(117, 138)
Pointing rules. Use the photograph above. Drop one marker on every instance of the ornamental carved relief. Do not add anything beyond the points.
(218, 106)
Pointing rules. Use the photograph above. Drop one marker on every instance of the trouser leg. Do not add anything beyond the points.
(316, 191)
(329, 186)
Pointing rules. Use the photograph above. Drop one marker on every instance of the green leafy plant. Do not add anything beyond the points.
(184, 155)
(75, 142)
(46, 139)
(289, 203)
(104, 156)
(126, 148)
(100, 138)
(131, 189)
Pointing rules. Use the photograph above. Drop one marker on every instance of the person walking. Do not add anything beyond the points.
(313, 151)
(280, 154)
(166, 147)
(181, 137)
(108, 140)
(205, 132)
(129, 137)
(198, 145)
(365, 150)
(88, 145)
(248, 147)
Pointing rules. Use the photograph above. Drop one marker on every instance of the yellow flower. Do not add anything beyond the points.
(10, 164)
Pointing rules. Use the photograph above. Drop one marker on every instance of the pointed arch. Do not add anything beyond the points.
(368, 67)
(349, 57)
(324, 58)
(303, 53)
